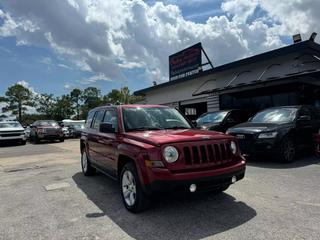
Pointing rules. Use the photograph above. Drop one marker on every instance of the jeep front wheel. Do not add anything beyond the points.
(132, 194)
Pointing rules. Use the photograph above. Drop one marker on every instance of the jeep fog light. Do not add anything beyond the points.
(170, 154)
(233, 147)
(233, 179)
(193, 187)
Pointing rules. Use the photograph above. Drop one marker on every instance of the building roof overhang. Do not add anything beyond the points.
(311, 78)
(305, 47)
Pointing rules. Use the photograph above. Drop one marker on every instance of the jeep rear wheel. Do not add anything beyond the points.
(87, 169)
(132, 194)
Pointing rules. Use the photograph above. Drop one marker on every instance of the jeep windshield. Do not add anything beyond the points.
(153, 118)
(275, 115)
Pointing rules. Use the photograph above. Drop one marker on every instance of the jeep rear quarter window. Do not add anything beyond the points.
(89, 118)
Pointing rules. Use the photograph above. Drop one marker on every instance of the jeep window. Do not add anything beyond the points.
(214, 117)
(89, 119)
(10, 125)
(275, 115)
(97, 119)
(153, 118)
(111, 117)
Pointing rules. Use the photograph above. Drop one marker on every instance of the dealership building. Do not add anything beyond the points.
(286, 76)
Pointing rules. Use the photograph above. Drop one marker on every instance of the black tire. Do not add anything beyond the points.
(141, 201)
(36, 139)
(287, 150)
(61, 139)
(87, 168)
(317, 152)
(23, 142)
(220, 189)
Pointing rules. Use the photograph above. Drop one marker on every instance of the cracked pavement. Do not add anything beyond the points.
(274, 201)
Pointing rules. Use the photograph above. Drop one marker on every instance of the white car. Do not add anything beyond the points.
(66, 132)
(12, 131)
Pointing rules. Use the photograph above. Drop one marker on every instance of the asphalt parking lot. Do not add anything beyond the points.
(43, 195)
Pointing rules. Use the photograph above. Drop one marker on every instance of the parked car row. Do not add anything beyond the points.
(277, 131)
(40, 130)
(72, 128)
(12, 131)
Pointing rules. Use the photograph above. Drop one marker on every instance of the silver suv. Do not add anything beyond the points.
(12, 131)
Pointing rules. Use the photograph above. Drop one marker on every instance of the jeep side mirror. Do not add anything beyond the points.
(304, 118)
(106, 128)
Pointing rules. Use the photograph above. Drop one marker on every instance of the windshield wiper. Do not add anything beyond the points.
(144, 128)
(178, 127)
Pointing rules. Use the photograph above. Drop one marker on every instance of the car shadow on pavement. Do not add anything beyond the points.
(9, 144)
(169, 217)
(302, 160)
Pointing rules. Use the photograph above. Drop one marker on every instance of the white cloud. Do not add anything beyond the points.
(5, 49)
(46, 60)
(95, 78)
(106, 37)
(67, 86)
(64, 66)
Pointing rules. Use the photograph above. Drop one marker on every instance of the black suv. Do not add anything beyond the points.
(222, 120)
(279, 131)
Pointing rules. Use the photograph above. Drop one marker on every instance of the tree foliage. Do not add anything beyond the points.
(75, 104)
(18, 98)
(76, 98)
(45, 104)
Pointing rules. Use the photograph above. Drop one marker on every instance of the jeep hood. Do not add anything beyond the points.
(160, 137)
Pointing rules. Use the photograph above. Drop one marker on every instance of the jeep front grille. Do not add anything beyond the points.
(217, 153)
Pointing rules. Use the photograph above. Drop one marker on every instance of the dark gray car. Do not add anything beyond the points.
(278, 132)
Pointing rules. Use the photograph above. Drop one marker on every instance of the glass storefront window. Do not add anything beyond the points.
(229, 101)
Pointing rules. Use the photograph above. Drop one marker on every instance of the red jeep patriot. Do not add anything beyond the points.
(151, 148)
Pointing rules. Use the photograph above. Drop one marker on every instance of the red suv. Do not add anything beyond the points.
(152, 148)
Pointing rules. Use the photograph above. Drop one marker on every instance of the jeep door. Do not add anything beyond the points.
(107, 142)
(93, 137)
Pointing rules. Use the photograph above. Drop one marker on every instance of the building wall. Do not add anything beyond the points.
(181, 93)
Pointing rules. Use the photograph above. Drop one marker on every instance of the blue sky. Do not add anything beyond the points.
(110, 44)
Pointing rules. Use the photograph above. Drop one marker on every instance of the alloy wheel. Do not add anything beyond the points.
(129, 190)
(289, 150)
(84, 161)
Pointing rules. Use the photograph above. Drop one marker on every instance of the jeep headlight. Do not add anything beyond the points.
(233, 147)
(268, 135)
(170, 154)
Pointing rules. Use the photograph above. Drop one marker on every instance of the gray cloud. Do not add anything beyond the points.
(106, 37)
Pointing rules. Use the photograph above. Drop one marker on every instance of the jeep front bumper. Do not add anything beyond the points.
(164, 180)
